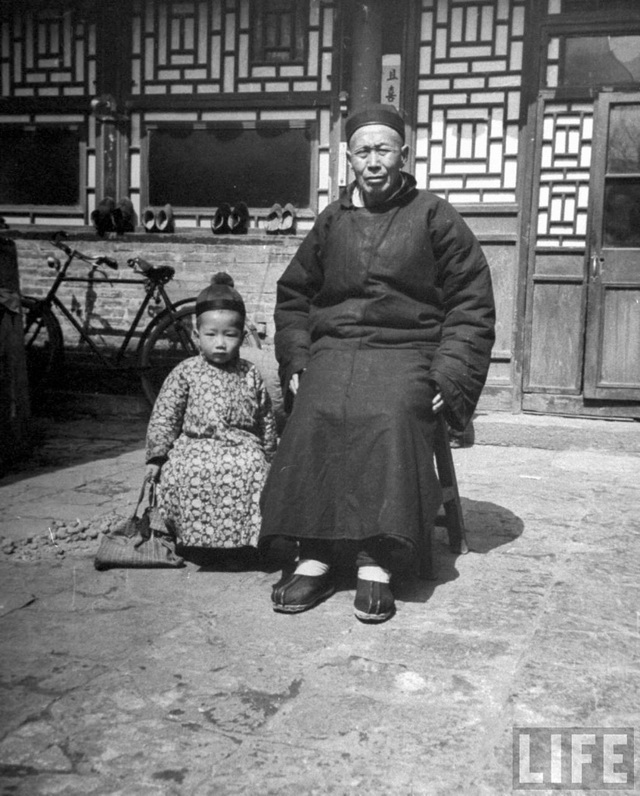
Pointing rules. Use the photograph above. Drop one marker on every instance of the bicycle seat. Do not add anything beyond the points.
(160, 274)
(156, 273)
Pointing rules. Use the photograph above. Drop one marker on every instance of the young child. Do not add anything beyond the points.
(212, 431)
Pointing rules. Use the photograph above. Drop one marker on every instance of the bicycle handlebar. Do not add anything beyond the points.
(99, 260)
(156, 274)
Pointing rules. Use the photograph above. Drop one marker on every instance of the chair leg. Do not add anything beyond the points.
(450, 495)
(425, 571)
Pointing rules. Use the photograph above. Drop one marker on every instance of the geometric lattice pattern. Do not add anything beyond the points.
(564, 176)
(553, 63)
(469, 99)
(47, 53)
(203, 46)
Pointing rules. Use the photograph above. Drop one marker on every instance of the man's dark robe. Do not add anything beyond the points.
(381, 308)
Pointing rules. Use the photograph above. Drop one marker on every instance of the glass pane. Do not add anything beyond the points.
(584, 6)
(623, 155)
(204, 168)
(278, 30)
(621, 221)
(601, 60)
(39, 167)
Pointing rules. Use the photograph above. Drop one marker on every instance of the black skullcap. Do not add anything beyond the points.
(220, 295)
(375, 114)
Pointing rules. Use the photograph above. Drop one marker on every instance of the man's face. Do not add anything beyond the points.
(376, 155)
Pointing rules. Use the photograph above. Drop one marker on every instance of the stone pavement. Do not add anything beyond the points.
(186, 682)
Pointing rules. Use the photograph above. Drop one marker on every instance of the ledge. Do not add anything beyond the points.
(190, 236)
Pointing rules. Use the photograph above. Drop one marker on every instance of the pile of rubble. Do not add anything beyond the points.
(60, 539)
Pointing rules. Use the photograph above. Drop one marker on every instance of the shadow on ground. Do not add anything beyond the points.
(56, 443)
(488, 526)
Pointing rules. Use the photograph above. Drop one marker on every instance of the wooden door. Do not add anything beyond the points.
(612, 352)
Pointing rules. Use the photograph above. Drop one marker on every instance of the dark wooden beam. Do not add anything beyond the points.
(366, 35)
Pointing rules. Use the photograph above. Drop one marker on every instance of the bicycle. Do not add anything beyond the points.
(164, 342)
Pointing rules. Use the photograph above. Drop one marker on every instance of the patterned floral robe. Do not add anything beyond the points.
(212, 428)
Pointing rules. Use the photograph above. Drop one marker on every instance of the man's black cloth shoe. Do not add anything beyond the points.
(300, 592)
(374, 601)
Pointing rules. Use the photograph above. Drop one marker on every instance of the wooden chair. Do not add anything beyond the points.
(452, 518)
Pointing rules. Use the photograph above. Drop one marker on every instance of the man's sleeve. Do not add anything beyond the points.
(463, 357)
(296, 288)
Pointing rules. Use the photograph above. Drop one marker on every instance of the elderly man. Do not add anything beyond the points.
(384, 317)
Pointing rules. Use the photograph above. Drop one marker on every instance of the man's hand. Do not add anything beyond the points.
(438, 403)
(294, 384)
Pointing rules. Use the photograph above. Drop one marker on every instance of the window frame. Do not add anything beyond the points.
(570, 28)
(311, 125)
(80, 207)
(257, 39)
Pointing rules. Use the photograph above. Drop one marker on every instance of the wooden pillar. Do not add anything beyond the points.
(366, 63)
(113, 79)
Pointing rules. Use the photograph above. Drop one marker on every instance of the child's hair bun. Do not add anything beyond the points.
(220, 295)
(222, 278)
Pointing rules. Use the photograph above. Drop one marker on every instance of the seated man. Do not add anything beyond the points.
(384, 317)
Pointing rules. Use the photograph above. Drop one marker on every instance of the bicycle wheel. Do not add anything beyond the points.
(169, 340)
(43, 343)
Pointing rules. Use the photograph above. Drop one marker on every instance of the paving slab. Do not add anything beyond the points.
(186, 682)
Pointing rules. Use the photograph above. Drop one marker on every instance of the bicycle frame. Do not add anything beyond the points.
(113, 361)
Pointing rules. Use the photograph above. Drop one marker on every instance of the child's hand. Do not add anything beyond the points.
(152, 472)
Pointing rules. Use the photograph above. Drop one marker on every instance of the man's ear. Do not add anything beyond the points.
(404, 152)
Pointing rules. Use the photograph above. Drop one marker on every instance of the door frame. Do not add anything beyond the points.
(541, 28)
(597, 282)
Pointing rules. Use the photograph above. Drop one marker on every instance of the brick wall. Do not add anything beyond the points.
(254, 262)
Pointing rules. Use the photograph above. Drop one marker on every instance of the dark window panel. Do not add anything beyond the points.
(204, 168)
(39, 166)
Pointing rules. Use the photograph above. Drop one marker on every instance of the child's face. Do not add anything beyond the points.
(219, 334)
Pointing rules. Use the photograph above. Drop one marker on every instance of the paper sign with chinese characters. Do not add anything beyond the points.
(390, 88)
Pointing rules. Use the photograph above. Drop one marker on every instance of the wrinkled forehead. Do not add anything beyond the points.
(375, 135)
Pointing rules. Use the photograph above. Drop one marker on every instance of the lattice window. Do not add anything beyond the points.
(173, 48)
(47, 52)
(230, 46)
(563, 200)
(278, 31)
(469, 99)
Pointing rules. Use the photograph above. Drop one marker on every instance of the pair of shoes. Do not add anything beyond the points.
(158, 220)
(374, 601)
(102, 216)
(124, 217)
(109, 217)
(281, 220)
(234, 221)
(297, 593)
